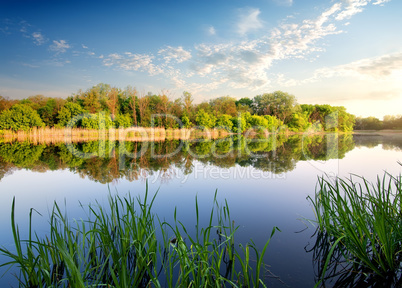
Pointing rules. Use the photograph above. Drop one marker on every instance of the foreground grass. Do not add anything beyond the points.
(360, 228)
(126, 245)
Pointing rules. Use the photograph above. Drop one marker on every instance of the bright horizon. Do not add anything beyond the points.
(338, 52)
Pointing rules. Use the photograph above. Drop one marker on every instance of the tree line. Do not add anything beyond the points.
(373, 123)
(114, 107)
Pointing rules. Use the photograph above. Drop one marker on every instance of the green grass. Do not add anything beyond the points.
(126, 245)
(362, 224)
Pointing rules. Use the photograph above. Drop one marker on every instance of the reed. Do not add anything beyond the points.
(53, 135)
(363, 220)
(125, 245)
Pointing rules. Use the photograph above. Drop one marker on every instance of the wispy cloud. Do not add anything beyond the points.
(381, 2)
(248, 63)
(60, 46)
(177, 54)
(284, 2)
(376, 68)
(38, 38)
(211, 30)
(132, 62)
(249, 21)
(352, 7)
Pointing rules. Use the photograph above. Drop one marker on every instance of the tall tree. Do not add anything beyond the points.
(6, 103)
(132, 98)
(187, 100)
(143, 102)
(224, 105)
(69, 111)
(112, 101)
(279, 104)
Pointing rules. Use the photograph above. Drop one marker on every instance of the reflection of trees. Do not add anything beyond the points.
(21, 154)
(6, 168)
(107, 161)
(389, 142)
(327, 146)
(341, 272)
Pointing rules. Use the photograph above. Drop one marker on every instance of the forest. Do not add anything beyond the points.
(119, 108)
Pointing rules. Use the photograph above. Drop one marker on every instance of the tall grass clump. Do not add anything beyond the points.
(362, 222)
(126, 245)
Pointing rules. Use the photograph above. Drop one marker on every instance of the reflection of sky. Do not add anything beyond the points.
(258, 201)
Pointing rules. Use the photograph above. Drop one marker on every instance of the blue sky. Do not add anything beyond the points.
(338, 52)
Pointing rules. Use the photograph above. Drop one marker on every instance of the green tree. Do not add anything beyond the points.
(223, 105)
(187, 100)
(273, 122)
(224, 121)
(244, 105)
(6, 103)
(258, 122)
(97, 121)
(279, 104)
(186, 121)
(205, 120)
(20, 117)
(122, 121)
(48, 113)
(298, 122)
(69, 111)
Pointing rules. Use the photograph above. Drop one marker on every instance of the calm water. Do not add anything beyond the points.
(266, 182)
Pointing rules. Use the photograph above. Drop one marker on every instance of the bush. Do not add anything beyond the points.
(67, 113)
(97, 121)
(20, 117)
(224, 122)
(122, 121)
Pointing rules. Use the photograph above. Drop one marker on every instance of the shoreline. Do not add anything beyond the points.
(385, 132)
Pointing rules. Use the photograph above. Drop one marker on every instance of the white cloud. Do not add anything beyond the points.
(211, 30)
(284, 2)
(381, 2)
(84, 47)
(249, 21)
(177, 54)
(350, 8)
(39, 39)
(59, 46)
(376, 68)
(133, 62)
(247, 64)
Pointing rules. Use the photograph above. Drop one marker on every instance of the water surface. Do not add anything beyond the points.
(265, 181)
